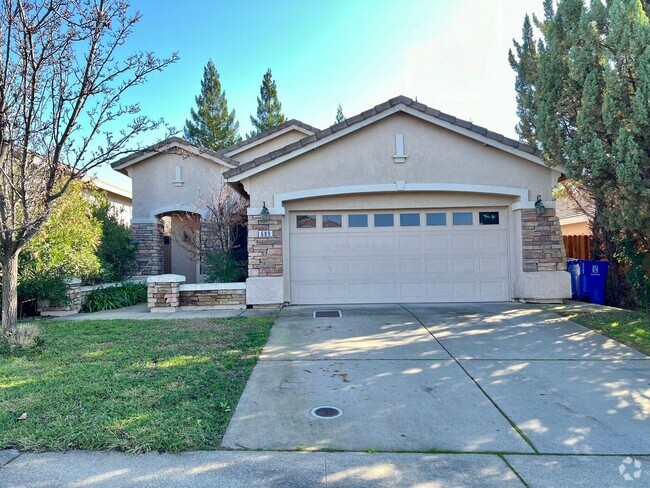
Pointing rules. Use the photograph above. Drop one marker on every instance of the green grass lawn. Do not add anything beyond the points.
(134, 386)
(627, 327)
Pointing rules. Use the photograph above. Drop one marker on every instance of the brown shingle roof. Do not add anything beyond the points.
(463, 124)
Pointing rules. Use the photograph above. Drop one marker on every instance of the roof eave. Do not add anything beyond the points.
(154, 150)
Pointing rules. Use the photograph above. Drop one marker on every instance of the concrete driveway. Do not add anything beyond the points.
(469, 378)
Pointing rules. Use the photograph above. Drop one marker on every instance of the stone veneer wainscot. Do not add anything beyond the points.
(543, 246)
(150, 254)
(265, 253)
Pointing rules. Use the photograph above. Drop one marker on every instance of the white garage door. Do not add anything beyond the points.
(399, 256)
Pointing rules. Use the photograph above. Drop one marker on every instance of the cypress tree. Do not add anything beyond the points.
(585, 102)
(269, 108)
(211, 125)
(339, 114)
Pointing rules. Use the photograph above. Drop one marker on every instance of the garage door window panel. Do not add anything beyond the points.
(358, 220)
(409, 220)
(463, 218)
(436, 219)
(332, 221)
(306, 221)
(488, 218)
(384, 220)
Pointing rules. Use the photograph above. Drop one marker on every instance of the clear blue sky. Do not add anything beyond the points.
(450, 54)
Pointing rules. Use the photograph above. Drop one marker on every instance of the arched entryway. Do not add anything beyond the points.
(181, 244)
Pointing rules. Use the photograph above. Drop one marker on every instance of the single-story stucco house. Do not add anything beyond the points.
(401, 203)
(120, 199)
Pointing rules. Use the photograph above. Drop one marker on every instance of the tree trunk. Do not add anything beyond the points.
(10, 295)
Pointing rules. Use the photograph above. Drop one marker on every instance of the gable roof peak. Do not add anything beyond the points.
(404, 104)
(308, 129)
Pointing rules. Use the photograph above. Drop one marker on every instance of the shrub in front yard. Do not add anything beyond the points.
(40, 286)
(222, 267)
(116, 250)
(124, 295)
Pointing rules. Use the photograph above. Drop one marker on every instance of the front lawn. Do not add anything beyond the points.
(128, 385)
(625, 326)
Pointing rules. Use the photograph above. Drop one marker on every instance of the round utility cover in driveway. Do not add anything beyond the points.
(327, 412)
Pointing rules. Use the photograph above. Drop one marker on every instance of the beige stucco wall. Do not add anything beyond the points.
(153, 182)
(181, 255)
(577, 229)
(435, 155)
(122, 207)
(265, 146)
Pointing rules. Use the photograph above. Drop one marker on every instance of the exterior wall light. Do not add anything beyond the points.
(539, 205)
(264, 214)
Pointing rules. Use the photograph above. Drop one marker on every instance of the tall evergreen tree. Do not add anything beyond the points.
(585, 101)
(339, 114)
(269, 108)
(211, 125)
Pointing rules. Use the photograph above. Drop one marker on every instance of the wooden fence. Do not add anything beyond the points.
(577, 247)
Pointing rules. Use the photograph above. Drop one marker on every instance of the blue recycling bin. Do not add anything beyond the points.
(588, 280)
(573, 267)
(594, 275)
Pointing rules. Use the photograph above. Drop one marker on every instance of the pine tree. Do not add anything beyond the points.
(269, 108)
(585, 101)
(212, 126)
(525, 65)
(339, 114)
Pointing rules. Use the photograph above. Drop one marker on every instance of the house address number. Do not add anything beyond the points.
(266, 233)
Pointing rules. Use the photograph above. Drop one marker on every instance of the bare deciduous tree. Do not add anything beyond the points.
(63, 77)
(222, 223)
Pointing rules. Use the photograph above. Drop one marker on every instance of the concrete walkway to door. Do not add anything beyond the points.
(464, 378)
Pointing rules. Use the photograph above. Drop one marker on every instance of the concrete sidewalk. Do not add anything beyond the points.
(141, 312)
(230, 469)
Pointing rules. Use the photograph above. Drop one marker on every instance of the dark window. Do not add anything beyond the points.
(463, 218)
(409, 219)
(436, 219)
(306, 221)
(332, 221)
(358, 220)
(384, 220)
(488, 218)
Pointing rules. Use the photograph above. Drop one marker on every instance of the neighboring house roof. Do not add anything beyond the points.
(569, 211)
(110, 188)
(263, 136)
(166, 144)
(222, 156)
(394, 105)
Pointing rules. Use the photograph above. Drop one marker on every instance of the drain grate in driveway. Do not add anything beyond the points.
(327, 412)
(322, 314)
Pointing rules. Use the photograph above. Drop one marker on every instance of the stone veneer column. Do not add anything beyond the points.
(265, 283)
(265, 253)
(149, 238)
(542, 243)
(163, 293)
